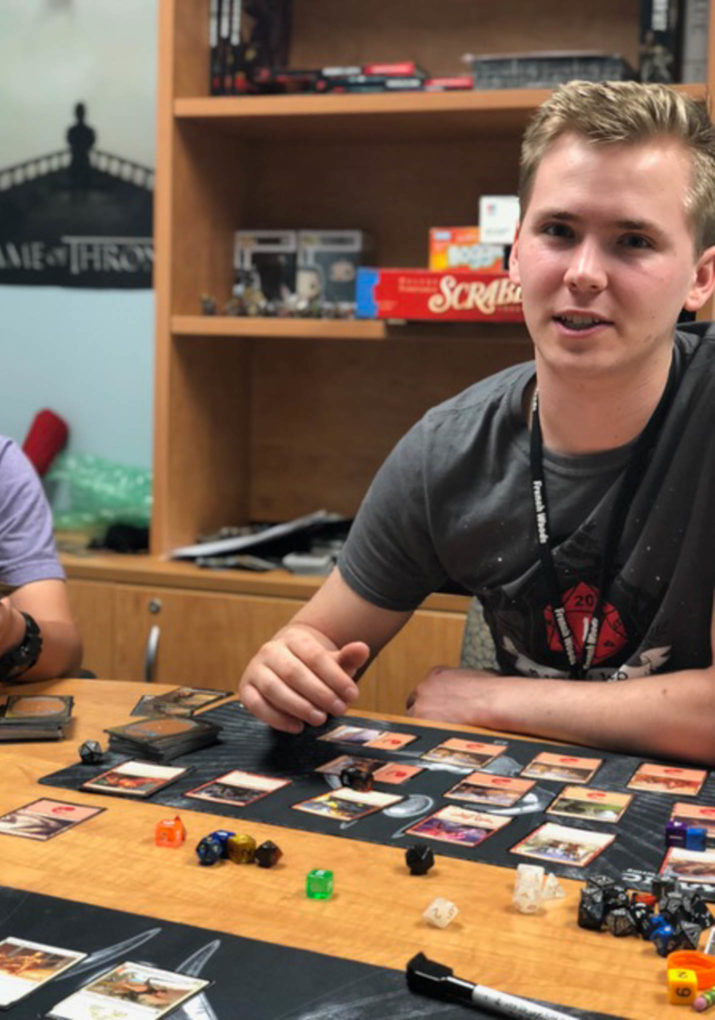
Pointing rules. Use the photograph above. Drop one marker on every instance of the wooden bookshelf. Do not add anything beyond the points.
(272, 418)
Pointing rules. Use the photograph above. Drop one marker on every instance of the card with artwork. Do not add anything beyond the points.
(587, 802)
(562, 843)
(454, 824)
(368, 736)
(484, 788)
(45, 818)
(346, 804)
(690, 865)
(667, 779)
(568, 768)
(237, 787)
(128, 992)
(471, 753)
(695, 814)
(134, 779)
(25, 966)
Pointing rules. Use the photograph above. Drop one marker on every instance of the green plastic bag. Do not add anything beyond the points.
(88, 493)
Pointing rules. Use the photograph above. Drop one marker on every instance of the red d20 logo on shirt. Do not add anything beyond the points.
(579, 604)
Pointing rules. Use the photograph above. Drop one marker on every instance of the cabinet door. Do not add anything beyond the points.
(203, 639)
(431, 638)
(93, 609)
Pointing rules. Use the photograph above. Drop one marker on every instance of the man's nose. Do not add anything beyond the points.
(586, 271)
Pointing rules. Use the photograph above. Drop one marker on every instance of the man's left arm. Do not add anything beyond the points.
(47, 603)
(665, 715)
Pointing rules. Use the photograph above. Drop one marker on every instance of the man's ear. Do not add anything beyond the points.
(514, 274)
(703, 282)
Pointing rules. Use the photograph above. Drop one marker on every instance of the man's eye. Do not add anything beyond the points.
(557, 230)
(635, 241)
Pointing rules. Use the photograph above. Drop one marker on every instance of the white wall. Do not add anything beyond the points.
(86, 354)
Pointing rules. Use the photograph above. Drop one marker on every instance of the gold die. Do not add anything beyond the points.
(241, 848)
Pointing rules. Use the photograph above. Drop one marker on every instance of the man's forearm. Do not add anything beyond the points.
(61, 652)
(666, 715)
(669, 715)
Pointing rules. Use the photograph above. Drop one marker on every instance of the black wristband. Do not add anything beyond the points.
(23, 656)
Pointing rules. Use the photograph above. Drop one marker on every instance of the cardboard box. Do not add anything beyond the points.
(328, 261)
(423, 294)
(460, 248)
(271, 257)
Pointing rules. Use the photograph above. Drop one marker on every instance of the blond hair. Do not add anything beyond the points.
(628, 112)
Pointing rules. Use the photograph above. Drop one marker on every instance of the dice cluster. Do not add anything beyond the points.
(241, 849)
(668, 916)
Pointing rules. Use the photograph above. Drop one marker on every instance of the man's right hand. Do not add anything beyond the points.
(300, 677)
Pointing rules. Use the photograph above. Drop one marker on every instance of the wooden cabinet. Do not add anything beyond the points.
(268, 419)
(172, 623)
(93, 608)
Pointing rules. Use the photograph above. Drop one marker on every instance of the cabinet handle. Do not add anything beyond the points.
(150, 653)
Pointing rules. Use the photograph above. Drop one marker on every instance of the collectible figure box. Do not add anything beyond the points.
(455, 295)
(327, 264)
(267, 260)
(460, 248)
(498, 218)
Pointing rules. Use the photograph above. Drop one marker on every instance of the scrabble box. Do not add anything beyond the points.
(424, 294)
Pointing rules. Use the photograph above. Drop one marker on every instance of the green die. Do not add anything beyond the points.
(319, 884)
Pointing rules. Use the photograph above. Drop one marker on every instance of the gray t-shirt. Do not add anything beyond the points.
(453, 502)
(27, 548)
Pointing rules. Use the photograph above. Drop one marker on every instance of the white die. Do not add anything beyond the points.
(527, 888)
(440, 912)
(552, 888)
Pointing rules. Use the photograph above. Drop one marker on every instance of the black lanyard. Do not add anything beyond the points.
(630, 480)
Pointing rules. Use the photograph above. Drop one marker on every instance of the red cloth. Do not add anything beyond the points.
(47, 435)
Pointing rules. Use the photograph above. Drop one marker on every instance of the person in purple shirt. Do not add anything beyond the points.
(38, 637)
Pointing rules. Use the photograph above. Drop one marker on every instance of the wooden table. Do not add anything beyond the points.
(374, 915)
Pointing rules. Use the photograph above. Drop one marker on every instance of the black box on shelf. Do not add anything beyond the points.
(267, 259)
(659, 40)
(547, 69)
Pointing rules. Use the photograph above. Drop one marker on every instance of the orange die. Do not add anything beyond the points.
(170, 832)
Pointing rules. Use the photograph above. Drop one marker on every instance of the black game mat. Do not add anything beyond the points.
(250, 745)
(243, 971)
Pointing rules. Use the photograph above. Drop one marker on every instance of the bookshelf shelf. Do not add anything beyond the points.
(404, 115)
(199, 326)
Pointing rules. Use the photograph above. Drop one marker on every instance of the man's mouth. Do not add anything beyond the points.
(579, 321)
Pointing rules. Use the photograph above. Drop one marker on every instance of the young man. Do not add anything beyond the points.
(38, 637)
(574, 497)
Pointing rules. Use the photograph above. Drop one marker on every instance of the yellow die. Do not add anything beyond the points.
(241, 849)
(682, 986)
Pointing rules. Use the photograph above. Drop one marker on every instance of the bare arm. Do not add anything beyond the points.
(666, 715)
(306, 671)
(47, 602)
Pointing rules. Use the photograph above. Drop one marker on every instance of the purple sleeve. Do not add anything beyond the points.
(27, 547)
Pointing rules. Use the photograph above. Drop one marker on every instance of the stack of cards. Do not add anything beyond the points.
(162, 738)
(35, 716)
(181, 701)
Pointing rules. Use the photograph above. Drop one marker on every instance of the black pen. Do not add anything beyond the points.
(434, 979)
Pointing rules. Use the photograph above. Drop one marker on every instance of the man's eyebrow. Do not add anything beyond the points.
(564, 216)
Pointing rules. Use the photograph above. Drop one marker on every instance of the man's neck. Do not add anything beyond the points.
(592, 415)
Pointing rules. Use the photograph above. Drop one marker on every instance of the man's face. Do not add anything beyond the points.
(605, 255)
